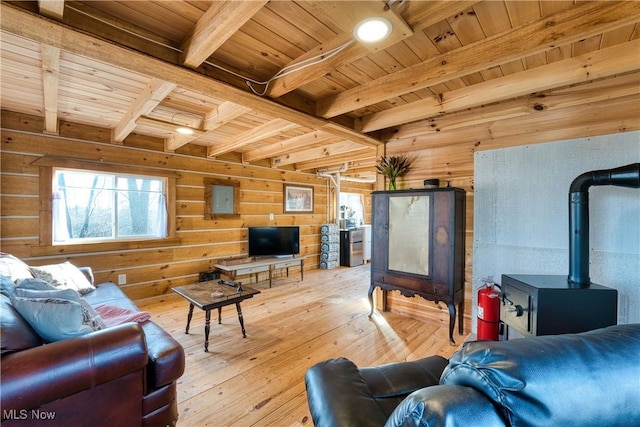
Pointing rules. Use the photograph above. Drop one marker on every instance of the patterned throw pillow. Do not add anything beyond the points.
(57, 314)
(35, 284)
(64, 276)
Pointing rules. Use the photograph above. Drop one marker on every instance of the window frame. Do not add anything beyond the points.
(46, 245)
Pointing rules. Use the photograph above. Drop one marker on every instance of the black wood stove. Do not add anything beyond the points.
(548, 304)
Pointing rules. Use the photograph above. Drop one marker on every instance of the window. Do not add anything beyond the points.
(351, 209)
(91, 206)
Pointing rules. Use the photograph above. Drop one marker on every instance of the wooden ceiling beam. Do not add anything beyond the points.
(326, 150)
(50, 85)
(152, 95)
(615, 115)
(337, 160)
(288, 145)
(223, 114)
(580, 22)
(221, 20)
(593, 65)
(264, 131)
(342, 49)
(52, 8)
(573, 96)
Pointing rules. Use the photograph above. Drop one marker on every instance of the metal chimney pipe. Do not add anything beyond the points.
(623, 176)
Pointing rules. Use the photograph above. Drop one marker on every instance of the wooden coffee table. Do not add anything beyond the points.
(200, 295)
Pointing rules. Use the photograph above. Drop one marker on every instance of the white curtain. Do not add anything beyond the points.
(60, 232)
(160, 224)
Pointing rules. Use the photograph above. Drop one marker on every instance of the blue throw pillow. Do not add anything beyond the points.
(56, 314)
(36, 284)
(7, 287)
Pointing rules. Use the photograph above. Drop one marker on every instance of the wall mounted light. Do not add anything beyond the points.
(372, 30)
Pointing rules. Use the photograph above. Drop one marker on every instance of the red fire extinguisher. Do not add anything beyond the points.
(488, 312)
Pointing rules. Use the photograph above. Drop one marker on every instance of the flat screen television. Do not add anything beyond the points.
(274, 241)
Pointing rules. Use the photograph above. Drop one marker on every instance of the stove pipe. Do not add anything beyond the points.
(623, 176)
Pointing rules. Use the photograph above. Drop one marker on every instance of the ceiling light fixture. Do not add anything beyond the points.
(185, 130)
(372, 30)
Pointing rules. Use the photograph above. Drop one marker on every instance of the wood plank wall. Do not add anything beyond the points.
(151, 271)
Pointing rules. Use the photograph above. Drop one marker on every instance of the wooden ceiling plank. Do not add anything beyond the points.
(334, 149)
(223, 114)
(264, 131)
(425, 14)
(594, 65)
(151, 96)
(217, 25)
(288, 145)
(435, 12)
(163, 126)
(584, 20)
(52, 8)
(50, 85)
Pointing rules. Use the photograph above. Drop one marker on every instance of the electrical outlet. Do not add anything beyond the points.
(122, 279)
(271, 217)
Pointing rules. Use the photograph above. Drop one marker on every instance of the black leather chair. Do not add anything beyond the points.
(586, 379)
(341, 394)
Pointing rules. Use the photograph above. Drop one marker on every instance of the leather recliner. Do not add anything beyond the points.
(586, 379)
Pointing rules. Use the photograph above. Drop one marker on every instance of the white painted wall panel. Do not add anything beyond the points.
(521, 222)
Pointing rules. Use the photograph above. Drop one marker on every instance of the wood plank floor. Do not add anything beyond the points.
(259, 380)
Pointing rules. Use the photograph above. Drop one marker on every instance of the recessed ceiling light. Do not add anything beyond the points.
(184, 130)
(372, 30)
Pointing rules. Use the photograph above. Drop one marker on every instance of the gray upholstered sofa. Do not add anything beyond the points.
(586, 379)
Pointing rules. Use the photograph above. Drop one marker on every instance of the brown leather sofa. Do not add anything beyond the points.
(123, 375)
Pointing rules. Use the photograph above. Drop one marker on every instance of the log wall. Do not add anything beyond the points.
(151, 270)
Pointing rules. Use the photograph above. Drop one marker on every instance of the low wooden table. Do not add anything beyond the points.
(200, 295)
(260, 265)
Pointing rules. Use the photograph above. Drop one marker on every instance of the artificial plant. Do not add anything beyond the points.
(393, 167)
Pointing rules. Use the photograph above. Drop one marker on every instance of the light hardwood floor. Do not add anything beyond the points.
(259, 380)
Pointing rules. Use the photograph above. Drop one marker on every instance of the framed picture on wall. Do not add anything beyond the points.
(298, 199)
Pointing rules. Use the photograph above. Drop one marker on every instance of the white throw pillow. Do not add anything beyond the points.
(64, 276)
(13, 267)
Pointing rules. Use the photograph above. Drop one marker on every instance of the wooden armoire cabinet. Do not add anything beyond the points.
(418, 247)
